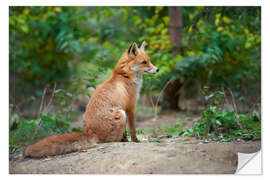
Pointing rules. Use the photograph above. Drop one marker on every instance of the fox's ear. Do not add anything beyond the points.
(133, 50)
(142, 45)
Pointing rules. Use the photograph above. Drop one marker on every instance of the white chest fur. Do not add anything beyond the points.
(138, 83)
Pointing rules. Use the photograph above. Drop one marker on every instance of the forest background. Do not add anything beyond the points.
(209, 60)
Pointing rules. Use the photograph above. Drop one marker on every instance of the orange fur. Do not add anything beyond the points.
(110, 106)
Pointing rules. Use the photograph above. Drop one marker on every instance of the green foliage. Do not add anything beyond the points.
(173, 129)
(77, 48)
(170, 131)
(251, 126)
(155, 140)
(217, 50)
(32, 130)
(214, 121)
(140, 131)
(77, 130)
(219, 124)
(127, 133)
(223, 126)
(41, 43)
(53, 123)
(220, 44)
(51, 44)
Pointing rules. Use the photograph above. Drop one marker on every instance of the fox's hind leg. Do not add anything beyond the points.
(125, 133)
(117, 127)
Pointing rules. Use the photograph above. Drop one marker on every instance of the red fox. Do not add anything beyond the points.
(111, 106)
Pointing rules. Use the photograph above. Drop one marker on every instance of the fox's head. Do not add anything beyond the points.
(135, 60)
(140, 62)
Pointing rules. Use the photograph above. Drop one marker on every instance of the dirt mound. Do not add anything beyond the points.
(170, 156)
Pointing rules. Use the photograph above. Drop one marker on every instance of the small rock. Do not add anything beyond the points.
(47, 159)
(144, 138)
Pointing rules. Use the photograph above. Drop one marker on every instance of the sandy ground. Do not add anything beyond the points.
(170, 156)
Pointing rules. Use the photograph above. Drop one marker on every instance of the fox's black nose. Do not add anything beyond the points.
(157, 69)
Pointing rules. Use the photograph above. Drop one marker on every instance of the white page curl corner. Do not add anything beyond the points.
(249, 163)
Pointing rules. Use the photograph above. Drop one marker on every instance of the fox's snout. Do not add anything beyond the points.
(153, 70)
(145, 70)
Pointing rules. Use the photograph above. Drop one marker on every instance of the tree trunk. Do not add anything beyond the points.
(171, 95)
(175, 28)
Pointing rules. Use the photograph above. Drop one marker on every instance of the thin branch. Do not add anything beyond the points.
(160, 96)
(235, 109)
(42, 100)
(233, 101)
(40, 110)
(150, 93)
(43, 108)
(50, 101)
(225, 97)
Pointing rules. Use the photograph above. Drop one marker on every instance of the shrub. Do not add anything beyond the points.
(33, 130)
(224, 125)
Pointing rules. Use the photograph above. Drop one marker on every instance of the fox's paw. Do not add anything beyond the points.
(135, 139)
(124, 139)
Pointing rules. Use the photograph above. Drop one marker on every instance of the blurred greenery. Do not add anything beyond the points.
(61, 44)
(217, 123)
(76, 48)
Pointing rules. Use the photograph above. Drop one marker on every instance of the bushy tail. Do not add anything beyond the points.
(59, 144)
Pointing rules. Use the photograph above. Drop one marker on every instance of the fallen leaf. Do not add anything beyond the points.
(188, 139)
(83, 150)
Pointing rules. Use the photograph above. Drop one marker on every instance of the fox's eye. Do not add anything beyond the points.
(144, 62)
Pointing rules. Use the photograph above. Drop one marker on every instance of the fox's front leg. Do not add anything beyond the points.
(131, 122)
